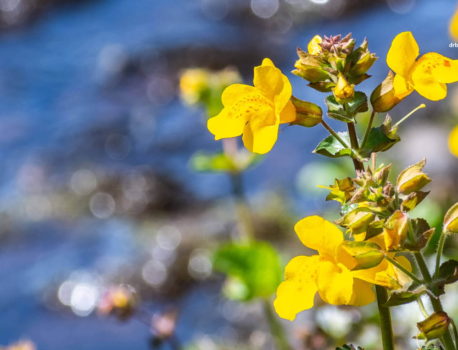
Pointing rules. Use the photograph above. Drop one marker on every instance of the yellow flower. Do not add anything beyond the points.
(255, 111)
(314, 47)
(428, 75)
(192, 82)
(329, 272)
(453, 141)
(454, 26)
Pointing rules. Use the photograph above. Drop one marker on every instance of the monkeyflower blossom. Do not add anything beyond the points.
(331, 272)
(428, 75)
(255, 111)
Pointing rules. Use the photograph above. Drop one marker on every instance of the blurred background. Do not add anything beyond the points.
(96, 188)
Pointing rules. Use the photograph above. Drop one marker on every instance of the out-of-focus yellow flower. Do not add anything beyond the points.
(329, 272)
(454, 26)
(314, 47)
(453, 141)
(255, 111)
(428, 75)
(192, 82)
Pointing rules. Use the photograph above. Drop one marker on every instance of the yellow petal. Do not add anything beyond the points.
(401, 87)
(260, 138)
(234, 92)
(273, 84)
(297, 292)
(288, 114)
(224, 125)
(314, 47)
(231, 121)
(433, 65)
(430, 74)
(370, 275)
(453, 141)
(284, 96)
(402, 53)
(319, 234)
(363, 293)
(431, 89)
(454, 26)
(335, 283)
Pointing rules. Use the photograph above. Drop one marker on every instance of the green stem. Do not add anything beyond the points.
(382, 296)
(335, 134)
(359, 166)
(440, 250)
(446, 339)
(368, 130)
(404, 270)
(276, 328)
(385, 318)
(422, 307)
(242, 208)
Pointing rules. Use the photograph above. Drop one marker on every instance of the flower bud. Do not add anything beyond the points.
(314, 47)
(307, 114)
(395, 230)
(343, 90)
(384, 98)
(434, 326)
(365, 61)
(451, 220)
(412, 179)
(309, 67)
(357, 220)
(365, 254)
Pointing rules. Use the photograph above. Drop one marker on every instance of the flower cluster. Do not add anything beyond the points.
(337, 272)
(379, 237)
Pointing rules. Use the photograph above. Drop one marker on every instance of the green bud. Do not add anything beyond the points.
(383, 98)
(310, 67)
(412, 179)
(451, 220)
(365, 254)
(434, 326)
(357, 220)
(307, 114)
(412, 200)
(365, 60)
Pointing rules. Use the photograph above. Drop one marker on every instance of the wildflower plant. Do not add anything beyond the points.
(375, 250)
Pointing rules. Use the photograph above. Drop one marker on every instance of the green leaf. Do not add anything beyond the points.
(448, 272)
(402, 298)
(217, 162)
(422, 233)
(331, 147)
(380, 138)
(347, 111)
(253, 269)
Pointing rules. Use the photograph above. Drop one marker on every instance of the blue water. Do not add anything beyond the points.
(57, 89)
